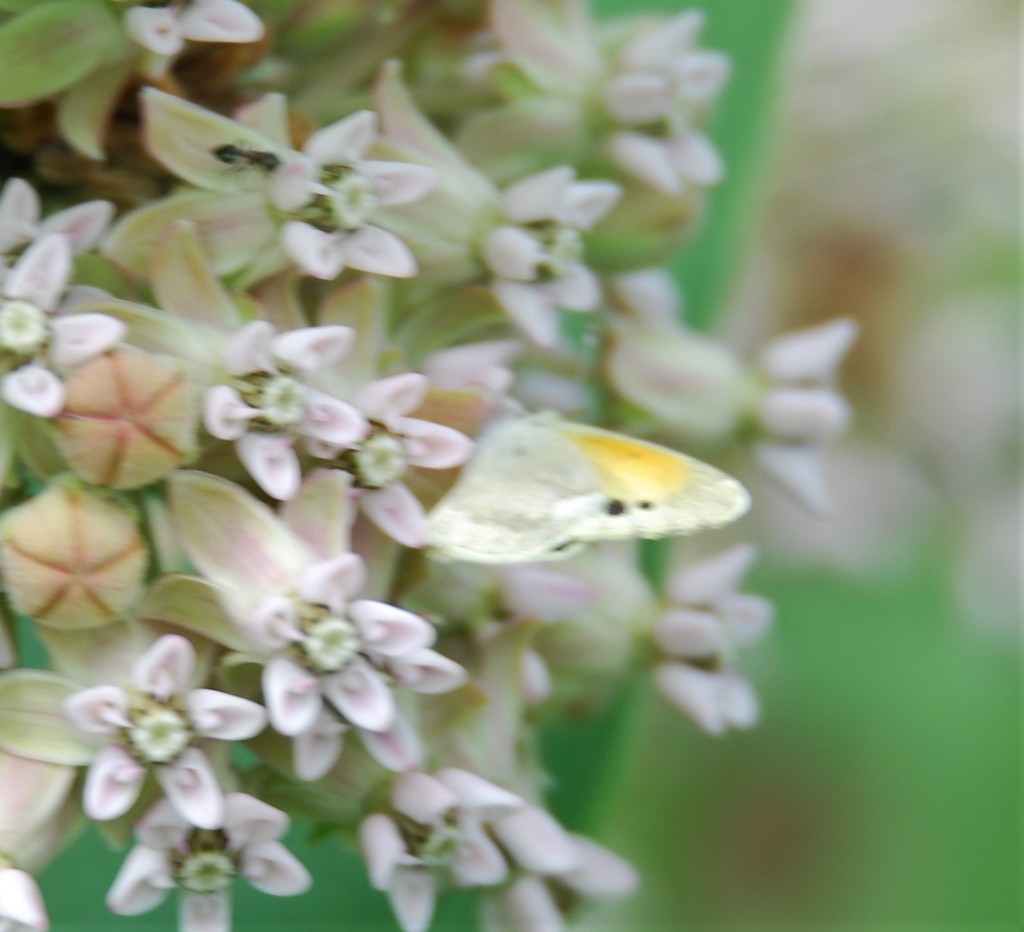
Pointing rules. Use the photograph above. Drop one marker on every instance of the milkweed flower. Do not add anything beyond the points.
(165, 28)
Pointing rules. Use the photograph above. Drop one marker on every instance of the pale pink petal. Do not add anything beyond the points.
(142, 883)
(711, 579)
(191, 786)
(399, 182)
(332, 421)
(316, 751)
(333, 582)
(536, 841)
(84, 223)
(660, 45)
(382, 846)
(273, 624)
(511, 252)
(695, 158)
(248, 820)
(214, 714)
(535, 678)
(398, 513)
(398, 748)
(311, 348)
(345, 142)
(317, 253)
(204, 912)
(423, 798)
(747, 617)
(601, 874)
(272, 868)
(166, 667)
(220, 21)
(809, 415)
(272, 463)
(740, 707)
(249, 349)
(685, 632)
(526, 904)
(21, 902)
(694, 692)
(702, 75)
(473, 792)
(371, 249)
(99, 710)
(651, 295)
(427, 671)
(41, 273)
(390, 398)
(530, 309)
(482, 367)
(113, 783)
(810, 355)
(577, 290)
(647, 159)
(162, 827)
(388, 629)
(478, 860)
(33, 389)
(535, 592)
(587, 202)
(292, 695)
(19, 213)
(799, 470)
(413, 892)
(80, 337)
(225, 415)
(538, 197)
(362, 695)
(638, 98)
(293, 184)
(155, 29)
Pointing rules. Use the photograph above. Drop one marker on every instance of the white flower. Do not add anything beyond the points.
(204, 864)
(536, 258)
(20, 223)
(165, 29)
(333, 191)
(269, 401)
(152, 724)
(21, 904)
(35, 337)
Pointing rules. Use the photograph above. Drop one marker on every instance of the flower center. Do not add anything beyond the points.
(331, 643)
(563, 248)
(352, 198)
(280, 397)
(438, 848)
(24, 328)
(379, 460)
(159, 735)
(206, 872)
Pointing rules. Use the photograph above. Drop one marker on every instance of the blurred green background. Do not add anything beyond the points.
(871, 148)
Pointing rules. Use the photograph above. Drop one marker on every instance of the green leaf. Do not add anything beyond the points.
(51, 46)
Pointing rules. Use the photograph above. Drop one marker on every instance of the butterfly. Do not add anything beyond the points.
(539, 488)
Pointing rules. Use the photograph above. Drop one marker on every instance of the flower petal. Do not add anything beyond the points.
(810, 355)
(511, 252)
(333, 582)
(113, 784)
(659, 46)
(413, 892)
(316, 751)
(344, 142)
(538, 197)
(21, 903)
(317, 253)
(536, 841)
(311, 348)
(192, 788)
(155, 29)
(33, 389)
(695, 158)
(383, 847)
(204, 912)
(19, 213)
(248, 820)
(166, 667)
(220, 21)
(806, 415)
(685, 632)
(398, 513)
(398, 748)
(525, 904)
(225, 415)
(388, 629)
(709, 580)
(476, 793)
(371, 249)
(647, 159)
(577, 290)
(478, 860)
(162, 827)
(292, 695)
(399, 182)
(142, 883)
(601, 874)
(638, 97)
(293, 184)
(100, 710)
(530, 309)
(214, 714)
(361, 694)
(695, 693)
(798, 469)
(84, 224)
(41, 273)
(387, 399)
(269, 866)
(272, 462)
(427, 671)
(587, 202)
(535, 592)
(332, 421)
(80, 337)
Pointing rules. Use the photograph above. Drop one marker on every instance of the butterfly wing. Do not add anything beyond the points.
(518, 499)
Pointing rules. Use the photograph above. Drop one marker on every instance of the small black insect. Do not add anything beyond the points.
(646, 505)
(240, 156)
(615, 507)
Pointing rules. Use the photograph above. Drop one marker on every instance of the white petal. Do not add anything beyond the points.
(658, 46)
(511, 252)
(387, 399)
(701, 75)
(638, 98)
(399, 182)
(526, 904)
(204, 912)
(99, 710)
(586, 202)
(808, 415)
(311, 348)
(601, 874)
(434, 446)
(272, 463)
(142, 883)
(360, 694)
(214, 714)
(112, 784)
(292, 695)
(413, 892)
(538, 197)
(249, 349)
(810, 355)
(41, 273)
(685, 632)
(694, 157)
(333, 582)
(155, 29)
(799, 470)
(248, 820)
(19, 213)
(273, 624)
(84, 223)
(80, 337)
(294, 184)
(225, 415)
(476, 793)
(398, 513)
(647, 159)
(383, 847)
(316, 751)
(332, 421)
(317, 253)
(388, 629)
(694, 692)
(344, 142)
(427, 671)
(577, 290)
(166, 667)
(21, 903)
(746, 617)
(269, 866)
(33, 389)
(422, 798)
(530, 309)
(371, 249)
(535, 592)
(220, 21)
(708, 581)
(536, 841)
(162, 827)
(192, 788)
(398, 748)
(740, 707)
(478, 860)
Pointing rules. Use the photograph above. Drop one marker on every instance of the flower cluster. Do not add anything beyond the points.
(226, 412)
